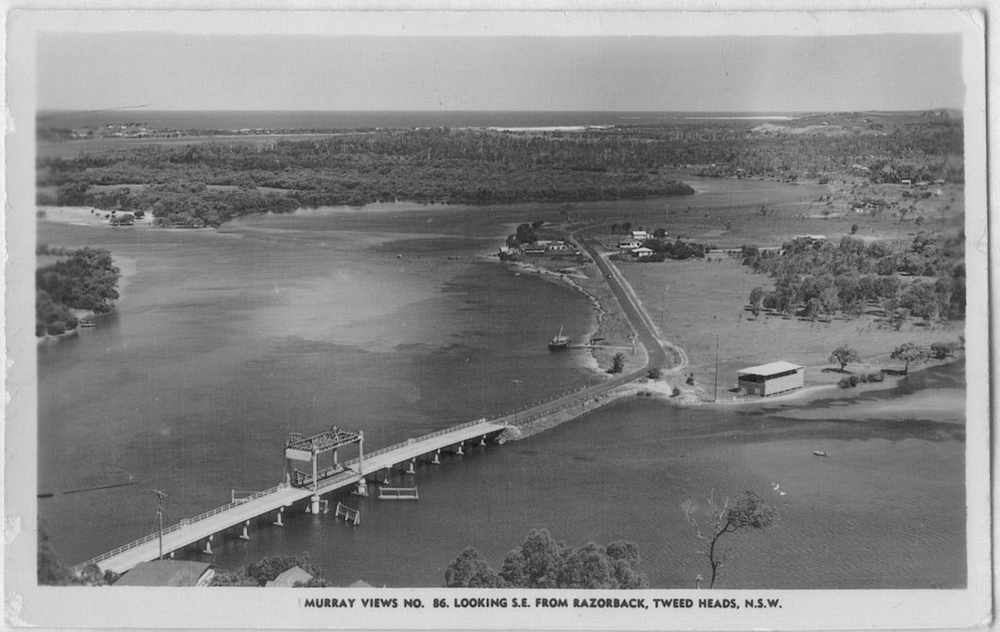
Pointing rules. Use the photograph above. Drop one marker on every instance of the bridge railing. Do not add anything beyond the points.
(420, 439)
(208, 514)
(176, 527)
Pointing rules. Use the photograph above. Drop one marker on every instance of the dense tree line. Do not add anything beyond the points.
(52, 572)
(434, 166)
(476, 166)
(927, 150)
(87, 279)
(543, 562)
(664, 249)
(824, 277)
(267, 569)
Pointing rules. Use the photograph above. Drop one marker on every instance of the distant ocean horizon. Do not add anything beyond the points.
(305, 120)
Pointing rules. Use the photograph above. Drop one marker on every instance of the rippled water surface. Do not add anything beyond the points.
(227, 341)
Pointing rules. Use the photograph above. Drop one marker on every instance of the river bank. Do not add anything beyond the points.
(266, 329)
(610, 331)
(126, 269)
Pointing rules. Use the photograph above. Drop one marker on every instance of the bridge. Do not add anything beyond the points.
(271, 504)
(298, 486)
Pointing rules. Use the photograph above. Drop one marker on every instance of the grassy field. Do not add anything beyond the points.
(729, 213)
(693, 301)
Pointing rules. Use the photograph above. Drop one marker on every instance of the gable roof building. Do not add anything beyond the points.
(168, 573)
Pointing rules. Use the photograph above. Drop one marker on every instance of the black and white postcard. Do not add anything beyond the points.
(502, 320)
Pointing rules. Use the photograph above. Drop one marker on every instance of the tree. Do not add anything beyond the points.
(654, 373)
(470, 570)
(901, 315)
(56, 328)
(942, 350)
(889, 307)
(51, 571)
(830, 298)
(525, 234)
(543, 562)
(815, 307)
(756, 299)
(268, 568)
(844, 355)
(909, 353)
(854, 229)
(750, 512)
(617, 363)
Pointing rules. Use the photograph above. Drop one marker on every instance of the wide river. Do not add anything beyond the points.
(384, 320)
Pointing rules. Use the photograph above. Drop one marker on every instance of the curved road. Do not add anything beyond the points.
(648, 336)
(644, 326)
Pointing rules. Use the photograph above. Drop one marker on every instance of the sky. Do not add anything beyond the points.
(84, 71)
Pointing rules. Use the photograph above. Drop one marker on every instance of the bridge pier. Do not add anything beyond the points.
(385, 475)
(458, 448)
(410, 470)
(245, 535)
(277, 521)
(362, 487)
(314, 504)
(208, 545)
(437, 458)
(482, 442)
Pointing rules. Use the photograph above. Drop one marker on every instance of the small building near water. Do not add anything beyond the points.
(770, 379)
(168, 573)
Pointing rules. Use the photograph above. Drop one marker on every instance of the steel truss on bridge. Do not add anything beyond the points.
(300, 448)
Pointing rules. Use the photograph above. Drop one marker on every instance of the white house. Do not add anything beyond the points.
(640, 235)
(629, 244)
(642, 253)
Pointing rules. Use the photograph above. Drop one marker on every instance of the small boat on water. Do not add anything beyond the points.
(559, 342)
(820, 453)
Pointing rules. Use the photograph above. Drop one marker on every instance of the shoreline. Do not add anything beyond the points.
(671, 388)
(126, 269)
(797, 402)
(556, 277)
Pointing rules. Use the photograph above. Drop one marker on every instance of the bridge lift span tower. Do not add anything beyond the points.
(299, 448)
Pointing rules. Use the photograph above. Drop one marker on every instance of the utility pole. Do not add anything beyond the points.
(516, 402)
(663, 305)
(716, 367)
(160, 496)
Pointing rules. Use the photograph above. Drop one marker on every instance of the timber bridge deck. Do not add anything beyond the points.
(239, 514)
